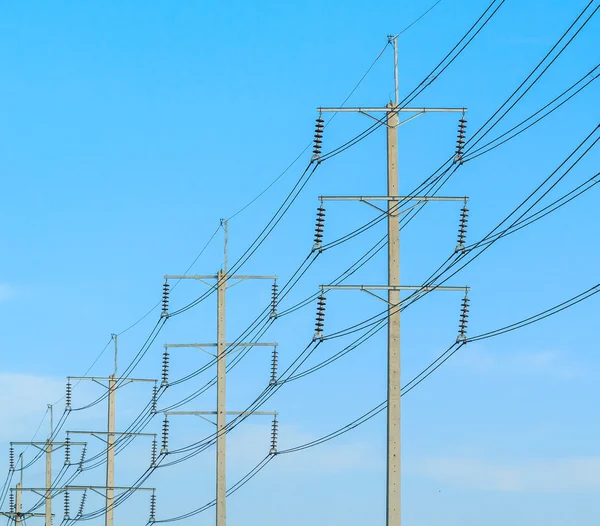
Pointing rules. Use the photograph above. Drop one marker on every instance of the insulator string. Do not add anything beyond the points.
(320, 322)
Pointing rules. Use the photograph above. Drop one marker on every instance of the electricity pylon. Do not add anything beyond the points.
(223, 279)
(47, 447)
(113, 382)
(393, 286)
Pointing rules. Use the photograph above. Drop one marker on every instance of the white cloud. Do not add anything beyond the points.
(542, 476)
(7, 292)
(24, 399)
(549, 363)
(325, 459)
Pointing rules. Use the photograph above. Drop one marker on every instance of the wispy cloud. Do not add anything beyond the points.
(7, 292)
(23, 399)
(542, 476)
(549, 363)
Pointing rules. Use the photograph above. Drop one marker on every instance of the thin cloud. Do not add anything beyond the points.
(544, 476)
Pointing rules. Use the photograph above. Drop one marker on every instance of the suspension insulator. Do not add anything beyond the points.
(274, 433)
(274, 360)
(154, 453)
(320, 318)
(165, 300)
(83, 452)
(154, 399)
(152, 507)
(274, 298)
(165, 368)
(67, 504)
(11, 502)
(82, 504)
(11, 458)
(67, 450)
(319, 127)
(165, 436)
(68, 395)
(319, 228)
(460, 141)
(462, 229)
(462, 324)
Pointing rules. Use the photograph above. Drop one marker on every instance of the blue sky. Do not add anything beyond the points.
(131, 129)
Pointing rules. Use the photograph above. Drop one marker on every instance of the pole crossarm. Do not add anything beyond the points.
(48, 443)
(93, 433)
(256, 344)
(237, 413)
(108, 378)
(13, 514)
(388, 109)
(214, 276)
(396, 288)
(391, 198)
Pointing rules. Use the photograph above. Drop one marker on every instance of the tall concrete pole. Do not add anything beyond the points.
(110, 445)
(221, 401)
(18, 504)
(393, 393)
(48, 496)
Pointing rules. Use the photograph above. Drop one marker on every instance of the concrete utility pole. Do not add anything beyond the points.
(48, 447)
(222, 283)
(393, 287)
(113, 382)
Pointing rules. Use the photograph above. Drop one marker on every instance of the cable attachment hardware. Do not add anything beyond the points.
(274, 298)
(11, 502)
(152, 508)
(165, 368)
(154, 452)
(319, 127)
(82, 504)
(11, 458)
(460, 141)
(320, 318)
(67, 504)
(462, 229)
(165, 436)
(68, 450)
(68, 394)
(81, 460)
(274, 360)
(319, 228)
(274, 433)
(165, 300)
(462, 325)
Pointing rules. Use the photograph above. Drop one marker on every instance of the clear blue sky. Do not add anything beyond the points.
(130, 129)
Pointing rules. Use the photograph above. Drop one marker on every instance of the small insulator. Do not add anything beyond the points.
(67, 504)
(165, 300)
(320, 318)
(154, 398)
(165, 436)
(165, 368)
(274, 297)
(274, 361)
(68, 395)
(82, 458)
(274, 430)
(462, 324)
(67, 450)
(82, 504)
(11, 502)
(154, 453)
(318, 137)
(460, 142)
(152, 507)
(319, 228)
(11, 458)
(462, 229)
